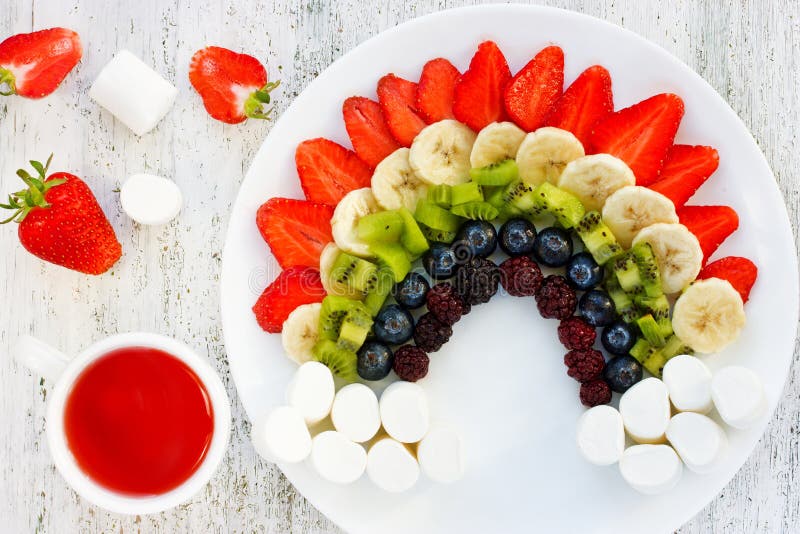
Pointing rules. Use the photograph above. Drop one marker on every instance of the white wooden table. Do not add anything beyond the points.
(168, 278)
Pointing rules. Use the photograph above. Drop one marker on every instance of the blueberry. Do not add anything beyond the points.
(622, 372)
(477, 238)
(618, 338)
(552, 247)
(410, 292)
(375, 360)
(440, 261)
(517, 237)
(583, 273)
(597, 308)
(393, 325)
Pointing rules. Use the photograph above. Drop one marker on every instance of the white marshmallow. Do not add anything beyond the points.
(739, 396)
(133, 92)
(651, 469)
(391, 466)
(645, 411)
(311, 391)
(688, 381)
(282, 436)
(601, 435)
(404, 412)
(699, 441)
(355, 412)
(440, 455)
(150, 199)
(336, 458)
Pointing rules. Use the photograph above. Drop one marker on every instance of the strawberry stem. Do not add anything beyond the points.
(22, 202)
(7, 78)
(254, 105)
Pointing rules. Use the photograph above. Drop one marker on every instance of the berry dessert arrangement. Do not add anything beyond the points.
(460, 186)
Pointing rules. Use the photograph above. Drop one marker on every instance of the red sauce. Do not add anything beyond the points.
(138, 421)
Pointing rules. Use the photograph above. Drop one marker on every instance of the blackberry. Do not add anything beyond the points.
(477, 280)
(430, 333)
(584, 365)
(410, 363)
(445, 303)
(521, 276)
(595, 393)
(555, 299)
(576, 334)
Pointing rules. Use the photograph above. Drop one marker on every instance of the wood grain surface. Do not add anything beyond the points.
(168, 278)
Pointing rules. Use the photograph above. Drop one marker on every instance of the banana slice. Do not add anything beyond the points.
(545, 152)
(350, 209)
(677, 251)
(326, 264)
(440, 153)
(394, 183)
(300, 331)
(634, 207)
(497, 142)
(709, 315)
(594, 178)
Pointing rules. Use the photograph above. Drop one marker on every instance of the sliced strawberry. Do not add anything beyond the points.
(584, 103)
(710, 224)
(295, 230)
(478, 96)
(740, 272)
(328, 171)
(398, 99)
(366, 126)
(34, 64)
(685, 170)
(437, 83)
(294, 287)
(640, 135)
(530, 96)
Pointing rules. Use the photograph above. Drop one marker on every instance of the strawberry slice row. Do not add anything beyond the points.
(710, 224)
(740, 272)
(685, 169)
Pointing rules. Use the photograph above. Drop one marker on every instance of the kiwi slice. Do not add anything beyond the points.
(334, 308)
(354, 273)
(437, 236)
(412, 238)
(375, 299)
(380, 227)
(627, 272)
(441, 195)
(565, 207)
(341, 362)
(641, 350)
(476, 210)
(648, 269)
(436, 217)
(468, 192)
(355, 327)
(658, 306)
(501, 173)
(393, 257)
(597, 237)
(494, 196)
(623, 302)
(651, 330)
(518, 199)
(654, 359)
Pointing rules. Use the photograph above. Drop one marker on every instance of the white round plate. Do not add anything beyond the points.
(501, 378)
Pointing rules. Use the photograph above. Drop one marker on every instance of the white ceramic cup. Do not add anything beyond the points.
(63, 371)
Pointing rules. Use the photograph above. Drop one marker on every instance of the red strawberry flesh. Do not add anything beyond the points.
(588, 100)
(685, 170)
(530, 96)
(710, 224)
(295, 230)
(294, 287)
(371, 138)
(478, 96)
(740, 272)
(435, 90)
(33, 65)
(398, 100)
(328, 171)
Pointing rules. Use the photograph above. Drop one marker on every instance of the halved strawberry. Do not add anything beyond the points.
(710, 224)
(295, 230)
(294, 287)
(740, 272)
(34, 64)
(435, 89)
(584, 103)
(530, 96)
(398, 99)
(640, 135)
(371, 138)
(328, 171)
(478, 96)
(685, 170)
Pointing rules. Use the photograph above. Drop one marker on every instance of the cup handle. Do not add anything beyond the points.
(40, 358)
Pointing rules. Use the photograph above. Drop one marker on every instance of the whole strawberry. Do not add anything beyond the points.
(61, 222)
(233, 86)
(34, 64)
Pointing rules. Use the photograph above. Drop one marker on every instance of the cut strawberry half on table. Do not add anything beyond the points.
(328, 171)
(740, 272)
(371, 138)
(233, 86)
(435, 90)
(640, 135)
(33, 65)
(398, 100)
(530, 96)
(294, 287)
(685, 170)
(295, 230)
(478, 95)
(710, 224)
(585, 102)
